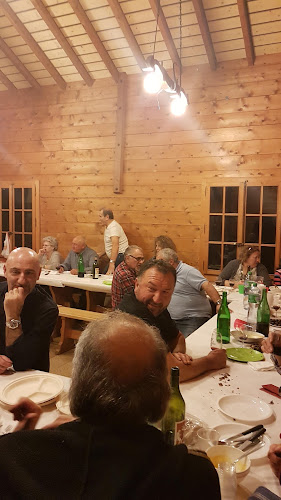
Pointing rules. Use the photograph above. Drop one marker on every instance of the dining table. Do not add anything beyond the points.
(203, 395)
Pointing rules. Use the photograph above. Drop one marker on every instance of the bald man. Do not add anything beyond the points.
(27, 314)
(119, 383)
(71, 262)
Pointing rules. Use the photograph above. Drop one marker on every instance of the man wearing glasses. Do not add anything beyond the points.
(125, 274)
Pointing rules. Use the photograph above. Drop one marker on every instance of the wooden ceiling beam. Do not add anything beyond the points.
(205, 32)
(54, 28)
(246, 30)
(165, 31)
(18, 64)
(129, 35)
(6, 81)
(29, 40)
(92, 34)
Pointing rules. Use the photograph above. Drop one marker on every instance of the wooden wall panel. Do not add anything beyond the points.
(66, 139)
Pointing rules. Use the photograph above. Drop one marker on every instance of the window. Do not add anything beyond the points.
(19, 214)
(238, 215)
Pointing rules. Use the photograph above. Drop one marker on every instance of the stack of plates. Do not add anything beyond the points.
(40, 388)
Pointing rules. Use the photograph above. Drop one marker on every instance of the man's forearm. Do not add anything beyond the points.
(12, 335)
(211, 291)
(187, 372)
(180, 344)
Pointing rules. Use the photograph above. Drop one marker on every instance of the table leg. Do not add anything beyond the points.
(94, 299)
(66, 342)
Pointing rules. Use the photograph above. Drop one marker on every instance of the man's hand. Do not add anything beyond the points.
(184, 358)
(111, 268)
(27, 413)
(74, 271)
(13, 303)
(216, 359)
(268, 344)
(274, 456)
(5, 363)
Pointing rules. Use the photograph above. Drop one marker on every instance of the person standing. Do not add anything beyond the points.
(115, 240)
(125, 274)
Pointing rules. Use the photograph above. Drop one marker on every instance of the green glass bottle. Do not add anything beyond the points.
(263, 315)
(81, 270)
(223, 321)
(174, 418)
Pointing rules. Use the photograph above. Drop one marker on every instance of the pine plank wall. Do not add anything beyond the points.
(66, 141)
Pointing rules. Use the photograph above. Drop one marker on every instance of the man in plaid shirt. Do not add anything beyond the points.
(125, 274)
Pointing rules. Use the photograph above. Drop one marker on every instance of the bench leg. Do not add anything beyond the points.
(66, 343)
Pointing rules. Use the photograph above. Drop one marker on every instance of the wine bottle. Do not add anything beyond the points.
(263, 315)
(174, 418)
(81, 270)
(95, 269)
(223, 321)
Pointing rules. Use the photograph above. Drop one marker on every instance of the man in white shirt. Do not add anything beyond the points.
(115, 240)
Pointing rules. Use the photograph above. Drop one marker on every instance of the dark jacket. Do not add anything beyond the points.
(38, 318)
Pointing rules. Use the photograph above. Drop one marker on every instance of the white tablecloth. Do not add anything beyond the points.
(201, 396)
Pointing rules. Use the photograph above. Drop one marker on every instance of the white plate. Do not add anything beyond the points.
(227, 430)
(40, 388)
(63, 405)
(244, 408)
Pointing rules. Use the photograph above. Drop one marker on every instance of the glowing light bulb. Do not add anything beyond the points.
(153, 81)
(179, 104)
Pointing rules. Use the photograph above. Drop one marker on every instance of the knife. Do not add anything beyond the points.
(251, 442)
(244, 433)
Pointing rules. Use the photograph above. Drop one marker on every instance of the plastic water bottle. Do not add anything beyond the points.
(253, 304)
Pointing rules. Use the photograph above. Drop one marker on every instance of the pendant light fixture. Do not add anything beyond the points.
(157, 79)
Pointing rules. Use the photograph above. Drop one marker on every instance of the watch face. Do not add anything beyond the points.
(13, 323)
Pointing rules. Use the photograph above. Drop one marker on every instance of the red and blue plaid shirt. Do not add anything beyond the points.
(123, 282)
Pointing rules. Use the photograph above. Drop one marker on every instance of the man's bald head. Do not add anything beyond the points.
(78, 244)
(22, 269)
(119, 372)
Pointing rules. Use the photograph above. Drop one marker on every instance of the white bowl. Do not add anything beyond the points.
(223, 453)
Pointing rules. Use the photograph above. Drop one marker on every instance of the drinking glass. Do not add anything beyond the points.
(218, 281)
(259, 280)
(216, 340)
(206, 438)
(231, 283)
(276, 303)
(228, 482)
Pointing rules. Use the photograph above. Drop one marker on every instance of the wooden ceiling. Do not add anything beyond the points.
(47, 42)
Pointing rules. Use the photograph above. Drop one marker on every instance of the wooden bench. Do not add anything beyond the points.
(67, 316)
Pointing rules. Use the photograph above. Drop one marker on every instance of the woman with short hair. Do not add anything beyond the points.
(49, 257)
(249, 260)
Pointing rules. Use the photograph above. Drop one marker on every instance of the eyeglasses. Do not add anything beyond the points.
(139, 259)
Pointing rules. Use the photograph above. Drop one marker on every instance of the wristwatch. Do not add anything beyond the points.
(13, 323)
(112, 260)
(218, 302)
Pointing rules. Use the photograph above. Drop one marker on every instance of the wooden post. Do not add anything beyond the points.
(120, 135)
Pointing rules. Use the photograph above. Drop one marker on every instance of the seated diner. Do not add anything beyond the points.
(249, 260)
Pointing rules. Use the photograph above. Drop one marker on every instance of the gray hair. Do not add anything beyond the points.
(53, 241)
(98, 394)
(130, 249)
(168, 254)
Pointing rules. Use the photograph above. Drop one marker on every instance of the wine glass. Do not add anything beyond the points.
(276, 304)
(216, 340)
(218, 281)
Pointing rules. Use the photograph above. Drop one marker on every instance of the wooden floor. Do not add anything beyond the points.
(62, 364)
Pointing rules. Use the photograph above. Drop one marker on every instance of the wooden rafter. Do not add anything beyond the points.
(29, 40)
(6, 81)
(165, 31)
(54, 28)
(120, 135)
(18, 64)
(126, 29)
(205, 32)
(246, 30)
(92, 34)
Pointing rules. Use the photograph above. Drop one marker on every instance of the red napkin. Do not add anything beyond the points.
(238, 323)
(271, 389)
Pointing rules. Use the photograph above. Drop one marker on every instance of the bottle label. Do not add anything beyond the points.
(96, 273)
(179, 432)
